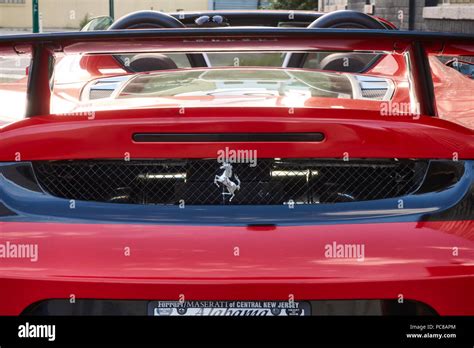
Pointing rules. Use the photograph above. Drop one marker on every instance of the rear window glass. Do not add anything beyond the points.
(249, 82)
(145, 80)
(453, 81)
(13, 82)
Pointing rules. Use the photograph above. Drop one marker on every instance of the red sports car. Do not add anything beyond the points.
(265, 163)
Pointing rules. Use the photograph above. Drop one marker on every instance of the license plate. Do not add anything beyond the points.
(228, 308)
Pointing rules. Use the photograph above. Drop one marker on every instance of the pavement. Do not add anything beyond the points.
(13, 68)
(13, 31)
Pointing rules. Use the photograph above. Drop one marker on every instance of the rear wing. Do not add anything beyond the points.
(43, 48)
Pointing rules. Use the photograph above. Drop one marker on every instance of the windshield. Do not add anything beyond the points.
(242, 82)
(323, 79)
(234, 87)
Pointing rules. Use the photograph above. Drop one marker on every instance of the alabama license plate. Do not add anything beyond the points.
(228, 308)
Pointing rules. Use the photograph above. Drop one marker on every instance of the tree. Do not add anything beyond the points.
(294, 4)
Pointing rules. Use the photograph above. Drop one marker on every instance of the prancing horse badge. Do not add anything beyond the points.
(228, 184)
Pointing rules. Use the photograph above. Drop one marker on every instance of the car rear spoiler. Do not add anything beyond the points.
(417, 45)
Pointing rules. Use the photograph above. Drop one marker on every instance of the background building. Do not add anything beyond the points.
(236, 4)
(70, 13)
(433, 15)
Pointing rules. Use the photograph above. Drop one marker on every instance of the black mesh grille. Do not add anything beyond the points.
(374, 93)
(271, 181)
(100, 93)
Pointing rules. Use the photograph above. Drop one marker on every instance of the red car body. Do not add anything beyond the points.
(423, 252)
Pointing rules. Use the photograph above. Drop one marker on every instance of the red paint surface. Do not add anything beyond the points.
(413, 259)
(360, 134)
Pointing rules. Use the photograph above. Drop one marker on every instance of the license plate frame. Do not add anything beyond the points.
(228, 308)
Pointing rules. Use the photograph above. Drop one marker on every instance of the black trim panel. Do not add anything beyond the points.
(4, 211)
(101, 307)
(70, 38)
(226, 137)
(40, 82)
(424, 80)
(464, 210)
(453, 202)
(22, 174)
